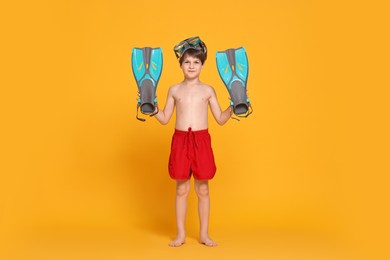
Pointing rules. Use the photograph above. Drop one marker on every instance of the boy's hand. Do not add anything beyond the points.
(230, 107)
(139, 95)
(156, 107)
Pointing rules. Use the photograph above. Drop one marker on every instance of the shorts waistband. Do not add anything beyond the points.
(197, 132)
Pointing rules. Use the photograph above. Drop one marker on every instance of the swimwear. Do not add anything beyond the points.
(191, 153)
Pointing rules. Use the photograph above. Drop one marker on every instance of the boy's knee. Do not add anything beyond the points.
(182, 190)
(202, 190)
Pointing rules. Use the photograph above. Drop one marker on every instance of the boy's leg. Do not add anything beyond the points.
(182, 190)
(202, 190)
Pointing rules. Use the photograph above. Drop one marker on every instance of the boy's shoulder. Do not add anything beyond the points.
(207, 87)
(174, 87)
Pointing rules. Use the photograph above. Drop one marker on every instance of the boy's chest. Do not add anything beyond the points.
(191, 96)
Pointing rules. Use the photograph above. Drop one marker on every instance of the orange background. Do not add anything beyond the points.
(304, 177)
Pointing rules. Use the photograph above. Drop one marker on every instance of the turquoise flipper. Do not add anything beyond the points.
(147, 66)
(233, 67)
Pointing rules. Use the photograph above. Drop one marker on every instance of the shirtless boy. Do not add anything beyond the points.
(191, 151)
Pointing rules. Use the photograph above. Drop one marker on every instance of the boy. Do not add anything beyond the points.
(191, 150)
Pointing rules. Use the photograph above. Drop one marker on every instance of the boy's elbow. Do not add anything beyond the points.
(161, 118)
(164, 121)
(221, 122)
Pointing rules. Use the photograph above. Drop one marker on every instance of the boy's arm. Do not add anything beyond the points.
(220, 116)
(163, 116)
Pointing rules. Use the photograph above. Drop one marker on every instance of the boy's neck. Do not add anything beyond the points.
(191, 81)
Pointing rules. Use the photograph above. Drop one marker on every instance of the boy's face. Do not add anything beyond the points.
(191, 67)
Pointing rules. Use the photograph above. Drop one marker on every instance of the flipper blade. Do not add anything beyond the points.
(224, 69)
(147, 66)
(138, 64)
(156, 62)
(233, 66)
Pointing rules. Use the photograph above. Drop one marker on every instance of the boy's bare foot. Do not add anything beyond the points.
(179, 241)
(207, 241)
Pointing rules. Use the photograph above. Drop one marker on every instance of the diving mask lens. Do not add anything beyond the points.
(194, 42)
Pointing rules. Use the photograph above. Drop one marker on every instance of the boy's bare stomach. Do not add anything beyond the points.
(190, 119)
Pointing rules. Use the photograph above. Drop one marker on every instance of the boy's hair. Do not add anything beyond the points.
(195, 53)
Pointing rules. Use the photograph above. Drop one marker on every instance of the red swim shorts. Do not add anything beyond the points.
(191, 153)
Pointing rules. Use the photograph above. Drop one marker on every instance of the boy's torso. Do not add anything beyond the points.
(191, 102)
